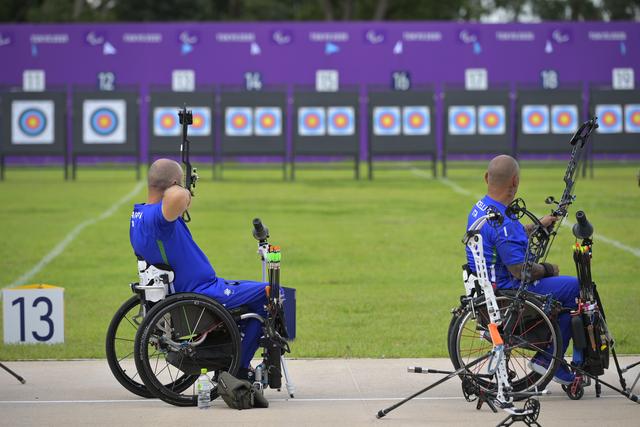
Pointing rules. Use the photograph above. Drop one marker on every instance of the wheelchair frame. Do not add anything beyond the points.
(267, 374)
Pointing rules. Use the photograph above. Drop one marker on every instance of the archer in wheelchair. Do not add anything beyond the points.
(184, 316)
(504, 250)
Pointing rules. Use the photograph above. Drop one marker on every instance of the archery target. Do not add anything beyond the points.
(632, 118)
(32, 122)
(239, 121)
(311, 121)
(341, 121)
(386, 121)
(535, 119)
(462, 120)
(268, 121)
(201, 125)
(416, 120)
(564, 118)
(609, 118)
(166, 121)
(491, 120)
(104, 121)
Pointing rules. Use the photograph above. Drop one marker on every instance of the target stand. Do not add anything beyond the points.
(33, 125)
(105, 125)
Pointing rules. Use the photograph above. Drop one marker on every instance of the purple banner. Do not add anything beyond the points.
(291, 53)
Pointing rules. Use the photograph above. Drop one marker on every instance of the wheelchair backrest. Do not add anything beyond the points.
(155, 280)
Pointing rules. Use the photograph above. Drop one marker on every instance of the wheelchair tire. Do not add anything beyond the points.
(181, 335)
(119, 347)
(469, 340)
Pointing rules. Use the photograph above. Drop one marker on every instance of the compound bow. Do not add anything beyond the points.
(190, 173)
(541, 237)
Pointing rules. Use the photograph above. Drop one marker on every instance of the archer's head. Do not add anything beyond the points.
(502, 178)
(163, 173)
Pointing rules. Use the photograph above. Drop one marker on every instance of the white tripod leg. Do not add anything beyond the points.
(291, 388)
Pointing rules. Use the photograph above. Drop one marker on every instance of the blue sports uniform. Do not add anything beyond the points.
(507, 245)
(159, 241)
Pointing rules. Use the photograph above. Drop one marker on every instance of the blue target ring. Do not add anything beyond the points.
(32, 122)
(104, 121)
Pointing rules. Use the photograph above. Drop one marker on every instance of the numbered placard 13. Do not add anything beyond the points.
(33, 314)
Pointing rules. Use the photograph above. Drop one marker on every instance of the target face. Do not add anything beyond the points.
(32, 122)
(491, 120)
(416, 120)
(535, 119)
(268, 121)
(462, 120)
(564, 118)
(341, 121)
(609, 118)
(386, 121)
(238, 121)
(632, 118)
(104, 121)
(201, 125)
(311, 121)
(166, 121)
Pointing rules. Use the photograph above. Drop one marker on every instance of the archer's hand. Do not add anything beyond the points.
(556, 269)
(548, 220)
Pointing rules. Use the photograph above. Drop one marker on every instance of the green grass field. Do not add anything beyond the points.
(376, 264)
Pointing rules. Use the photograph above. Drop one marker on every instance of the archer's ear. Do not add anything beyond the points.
(486, 177)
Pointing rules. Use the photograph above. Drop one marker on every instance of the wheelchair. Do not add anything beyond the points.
(158, 341)
(529, 326)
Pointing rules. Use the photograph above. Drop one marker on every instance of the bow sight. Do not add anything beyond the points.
(190, 173)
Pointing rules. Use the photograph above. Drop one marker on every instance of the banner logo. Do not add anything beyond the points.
(32, 122)
(462, 120)
(564, 118)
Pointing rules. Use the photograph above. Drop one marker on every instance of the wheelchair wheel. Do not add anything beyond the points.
(180, 336)
(120, 348)
(120, 345)
(532, 330)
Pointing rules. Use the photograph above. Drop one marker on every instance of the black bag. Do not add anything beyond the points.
(239, 394)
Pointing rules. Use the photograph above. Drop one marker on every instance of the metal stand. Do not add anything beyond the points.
(18, 377)
(528, 414)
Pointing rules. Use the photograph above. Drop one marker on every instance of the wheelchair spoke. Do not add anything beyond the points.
(195, 328)
(120, 360)
(133, 325)
(186, 319)
(124, 339)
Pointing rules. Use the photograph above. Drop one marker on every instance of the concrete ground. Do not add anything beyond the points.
(329, 392)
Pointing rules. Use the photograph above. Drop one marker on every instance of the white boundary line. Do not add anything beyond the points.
(60, 247)
(301, 400)
(596, 236)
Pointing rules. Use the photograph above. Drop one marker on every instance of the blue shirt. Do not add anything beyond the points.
(159, 241)
(502, 246)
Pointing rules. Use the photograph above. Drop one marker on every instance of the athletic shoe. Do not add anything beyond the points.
(564, 375)
(540, 365)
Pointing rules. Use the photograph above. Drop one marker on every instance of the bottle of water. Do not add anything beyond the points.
(204, 386)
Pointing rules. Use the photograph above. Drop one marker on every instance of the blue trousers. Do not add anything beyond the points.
(233, 294)
(564, 289)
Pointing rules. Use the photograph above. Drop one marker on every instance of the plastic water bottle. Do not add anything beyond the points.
(204, 386)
